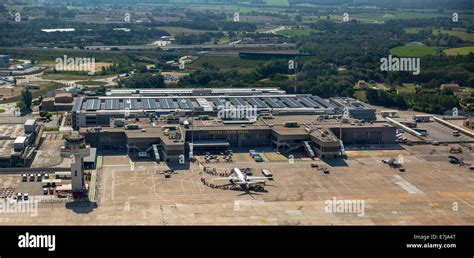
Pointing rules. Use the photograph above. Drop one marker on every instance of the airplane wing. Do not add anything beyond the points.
(256, 177)
(226, 178)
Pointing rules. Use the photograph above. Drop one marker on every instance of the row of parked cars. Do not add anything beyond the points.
(39, 177)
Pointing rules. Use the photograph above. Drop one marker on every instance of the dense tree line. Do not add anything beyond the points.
(183, 39)
(435, 102)
(142, 80)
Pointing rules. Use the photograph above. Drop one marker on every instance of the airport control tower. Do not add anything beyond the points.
(76, 149)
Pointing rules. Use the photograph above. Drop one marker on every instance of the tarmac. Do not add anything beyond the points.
(431, 192)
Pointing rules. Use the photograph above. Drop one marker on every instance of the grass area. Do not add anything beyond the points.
(459, 51)
(91, 83)
(408, 87)
(412, 30)
(413, 51)
(382, 16)
(2, 110)
(295, 32)
(179, 30)
(45, 86)
(457, 33)
(360, 95)
(51, 129)
(398, 15)
(225, 63)
(278, 2)
(14, 7)
(71, 76)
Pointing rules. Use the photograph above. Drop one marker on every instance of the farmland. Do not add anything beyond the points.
(413, 51)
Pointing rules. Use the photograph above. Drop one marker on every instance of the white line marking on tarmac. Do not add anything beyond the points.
(407, 186)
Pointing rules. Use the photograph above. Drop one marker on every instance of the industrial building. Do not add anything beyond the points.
(4, 61)
(170, 124)
(16, 141)
(60, 102)
(354, 108)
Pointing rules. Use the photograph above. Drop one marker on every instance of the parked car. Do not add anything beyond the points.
(267, 173)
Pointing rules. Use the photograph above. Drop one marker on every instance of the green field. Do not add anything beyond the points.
(179, 30)
(91, 83)
(360, 95)
(2, 110)
(408, 87)
(412, 30)
(459, 51)
(225, 63)
(413, 51)
(457, 33)
(295, 32)
(278, 2)
(397, 15)
(71, 77)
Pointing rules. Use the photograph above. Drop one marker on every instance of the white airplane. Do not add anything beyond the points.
(242, 179)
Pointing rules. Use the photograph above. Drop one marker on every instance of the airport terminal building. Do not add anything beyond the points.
(171, 123)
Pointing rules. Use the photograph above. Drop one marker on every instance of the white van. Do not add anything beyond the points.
(267, 173)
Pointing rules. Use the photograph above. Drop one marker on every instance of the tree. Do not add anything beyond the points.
(21, 105)
(298, 18)
(27, 98)
(45, 114)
